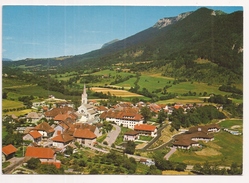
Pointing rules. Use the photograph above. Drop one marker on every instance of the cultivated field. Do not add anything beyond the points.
(119, 93)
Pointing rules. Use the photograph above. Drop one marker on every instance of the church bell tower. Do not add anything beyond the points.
(84, 96)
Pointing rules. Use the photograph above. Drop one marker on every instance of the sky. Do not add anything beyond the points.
(52, 31)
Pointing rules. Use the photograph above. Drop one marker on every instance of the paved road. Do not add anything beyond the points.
(112, 136)
(173, 149)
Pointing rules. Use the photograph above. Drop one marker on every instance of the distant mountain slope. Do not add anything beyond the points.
(204, 33)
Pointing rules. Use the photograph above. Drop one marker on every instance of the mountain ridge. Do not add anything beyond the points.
(203, 34)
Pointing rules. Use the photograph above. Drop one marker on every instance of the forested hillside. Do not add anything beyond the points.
(205, 46)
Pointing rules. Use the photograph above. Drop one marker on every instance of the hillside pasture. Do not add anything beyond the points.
(119, 93)
(185, 87)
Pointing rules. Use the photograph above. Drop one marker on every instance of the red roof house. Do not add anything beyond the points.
(146, 129)
(40, 152)
(8, 152)
(85, 136)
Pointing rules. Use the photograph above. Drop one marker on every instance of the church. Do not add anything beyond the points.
(87, 112)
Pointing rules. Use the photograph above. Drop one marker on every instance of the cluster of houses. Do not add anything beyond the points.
(83, 126)
(194, 135)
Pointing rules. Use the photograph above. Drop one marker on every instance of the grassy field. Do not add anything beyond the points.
(224, 150)
(232, 124)
(182, 100)
(9, 104)
(185, 87)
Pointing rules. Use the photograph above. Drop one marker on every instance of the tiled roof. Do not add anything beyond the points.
(145, 127)
(102, 108)
(204, 128)
(9, 149)
(54, 112)
(40, 152)
(92, 128)
(84, 133)
(127, 114)
(44, 126)
(33, 115)
(56, 163)
(131, 133)
(65, 137)
(35, 134)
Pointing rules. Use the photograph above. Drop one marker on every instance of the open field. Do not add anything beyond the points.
(19, 113)
(173, 172)
(182, 100)
(232, 124)
(9, 104)
(185, 87)
(119, 93)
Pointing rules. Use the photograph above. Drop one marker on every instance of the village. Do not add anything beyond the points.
(44, 139)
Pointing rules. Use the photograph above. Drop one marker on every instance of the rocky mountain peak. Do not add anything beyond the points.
(170, 20)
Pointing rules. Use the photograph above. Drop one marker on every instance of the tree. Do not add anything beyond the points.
(146, 113)
(94, 171)
(4, 95)
(161, 116)
(33, 163)
(49, 169)
(154, 171)
(130, 147)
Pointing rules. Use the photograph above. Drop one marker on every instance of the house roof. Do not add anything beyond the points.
(64, 137)
(145, 127)
(44, 126)
(9, 149)
(92, 128)
(33, 115)
(54, 112)
(84, 133)
(127, 114)
(102, 108)
(28, 129)
(131, 133)
(56, 163)
(40, 152)
(35, 134)
(204, 128)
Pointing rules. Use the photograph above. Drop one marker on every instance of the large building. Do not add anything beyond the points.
(87, 112)
(127, 117)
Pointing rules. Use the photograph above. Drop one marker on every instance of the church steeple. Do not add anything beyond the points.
(84, 96)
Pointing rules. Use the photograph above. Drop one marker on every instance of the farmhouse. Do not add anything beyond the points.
(8, 152)
(46, 155)
(44, 129)
(55, 111)
(33, 136)
(85, 137)
(131, 135)
(145, 129)
(61, 139)
(33, 117)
